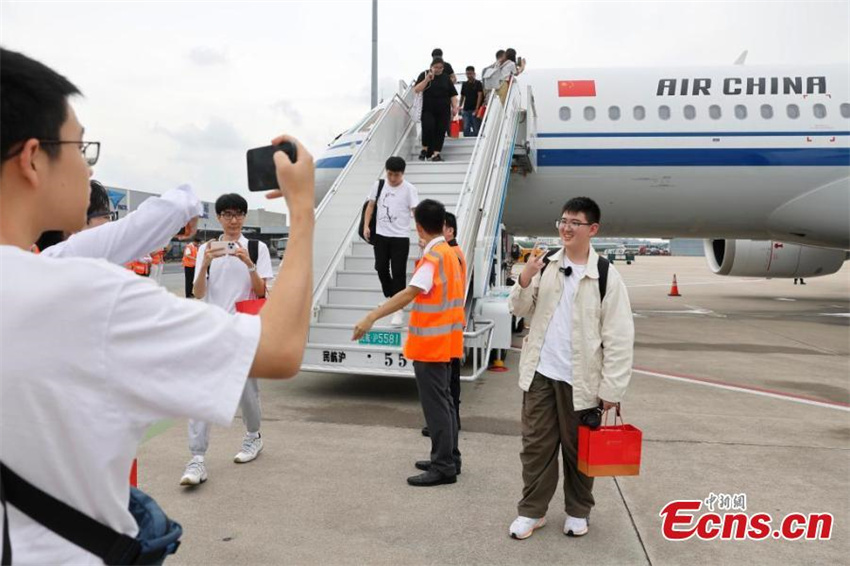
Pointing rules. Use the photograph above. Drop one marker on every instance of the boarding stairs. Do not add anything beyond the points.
(471, 182)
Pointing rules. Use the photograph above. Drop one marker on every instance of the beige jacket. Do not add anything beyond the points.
(598, 373)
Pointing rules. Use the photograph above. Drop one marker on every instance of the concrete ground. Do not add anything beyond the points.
(773, 423)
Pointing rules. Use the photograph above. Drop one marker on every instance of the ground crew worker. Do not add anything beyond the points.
(190, 256)
(435, 336)
(141, 266)
(450, 234)
(157, 264)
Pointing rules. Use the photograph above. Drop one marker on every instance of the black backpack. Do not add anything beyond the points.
(373, 222)
(602, 265)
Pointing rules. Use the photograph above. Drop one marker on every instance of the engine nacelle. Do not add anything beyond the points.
(760, 258)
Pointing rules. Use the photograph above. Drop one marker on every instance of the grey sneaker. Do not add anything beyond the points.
(195, 472)
(251, 448)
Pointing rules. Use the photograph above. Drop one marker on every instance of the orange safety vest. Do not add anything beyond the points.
(157, 256)
(435, 333)
(139, 267)
(190, 255)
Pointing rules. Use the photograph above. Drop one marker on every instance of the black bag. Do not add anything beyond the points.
(373, 222)
(158, 535)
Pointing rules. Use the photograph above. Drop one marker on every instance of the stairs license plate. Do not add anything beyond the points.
(378, 338)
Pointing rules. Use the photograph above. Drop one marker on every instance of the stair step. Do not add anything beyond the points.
(353, 263)
(347, 314)
(417, 177)
(365, 296)
(358, 278)
(361, 248)
(438, 168)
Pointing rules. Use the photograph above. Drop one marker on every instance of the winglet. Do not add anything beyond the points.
(742, 57)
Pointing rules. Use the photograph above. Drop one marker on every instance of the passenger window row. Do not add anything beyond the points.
(714, 112)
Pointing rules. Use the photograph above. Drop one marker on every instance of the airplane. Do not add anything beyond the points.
(753, 159)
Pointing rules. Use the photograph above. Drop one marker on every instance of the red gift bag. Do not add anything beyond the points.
(252, 306)
(481, 110)
(609, 450)
(455, 128)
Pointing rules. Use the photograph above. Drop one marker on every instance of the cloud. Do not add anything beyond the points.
(286, 108)
(206, 57)
(216, 135)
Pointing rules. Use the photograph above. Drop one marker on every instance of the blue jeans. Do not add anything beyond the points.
(471, 124)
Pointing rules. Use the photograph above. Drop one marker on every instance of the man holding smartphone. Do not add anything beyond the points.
(226, 274)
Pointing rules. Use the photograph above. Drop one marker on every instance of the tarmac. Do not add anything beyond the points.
(740, 387)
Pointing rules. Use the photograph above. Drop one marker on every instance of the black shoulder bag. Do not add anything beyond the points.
(373, 222)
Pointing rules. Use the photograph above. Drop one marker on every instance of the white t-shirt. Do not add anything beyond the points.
(423, 277)
(507, 69)
(229, 279)
(92, 355)
(556, 355)
(393, 210)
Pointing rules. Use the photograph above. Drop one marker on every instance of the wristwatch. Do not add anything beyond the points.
(252, 269)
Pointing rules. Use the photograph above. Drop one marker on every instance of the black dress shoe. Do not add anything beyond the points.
(422, 155)
(425, 465)
(436, 158)
(429, 478)
(426, 432)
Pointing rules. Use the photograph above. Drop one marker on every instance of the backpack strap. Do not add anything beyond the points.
(547, 259)
(74, 526)
(377, 196)
(602, 265)
(254, 250)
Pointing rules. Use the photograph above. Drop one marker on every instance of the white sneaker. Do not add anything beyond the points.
(195, 472)
(397, 319)
(575, 527)
(523, 527)
(251, 448)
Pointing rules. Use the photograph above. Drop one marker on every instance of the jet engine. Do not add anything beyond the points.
(761, 258)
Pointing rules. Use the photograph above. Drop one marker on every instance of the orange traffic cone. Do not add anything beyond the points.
(674, 291)
(134, 474)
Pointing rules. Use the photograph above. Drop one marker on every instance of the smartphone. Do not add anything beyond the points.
(261, 171)
(228, 247)
(540, 248)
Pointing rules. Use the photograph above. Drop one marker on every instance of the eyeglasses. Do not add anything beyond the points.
(571, 224)
(230, 215)
(111, 216)
(90, 150)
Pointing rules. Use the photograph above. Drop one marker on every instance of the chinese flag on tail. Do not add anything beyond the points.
(576, 88)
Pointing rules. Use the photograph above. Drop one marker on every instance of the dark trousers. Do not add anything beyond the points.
(550, 425)
(435, 122)
(454, 387)
(391, 253)
(189, 272)
(432, 380)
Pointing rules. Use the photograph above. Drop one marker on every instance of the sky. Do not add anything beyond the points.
(176, 92)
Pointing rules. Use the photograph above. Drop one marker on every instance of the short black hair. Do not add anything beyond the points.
(586, 205)
(431, 215)
(99, 203)
(470, 68)
(437, 61)
(437, 52)
(510, 54)
(499, 53)
(231, 201)
(395, 164)
(33, 105)
(197, 238)
(451, 222)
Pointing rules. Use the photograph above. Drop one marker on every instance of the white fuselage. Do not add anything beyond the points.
(721, 152)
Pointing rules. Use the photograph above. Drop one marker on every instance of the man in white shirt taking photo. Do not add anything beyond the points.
(223, 278)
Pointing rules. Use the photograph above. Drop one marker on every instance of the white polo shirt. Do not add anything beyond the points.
(393, 209)
(556, 355)
(92, 355)
(229, 280)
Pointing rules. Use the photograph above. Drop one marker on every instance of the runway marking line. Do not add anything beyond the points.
(748, 389)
